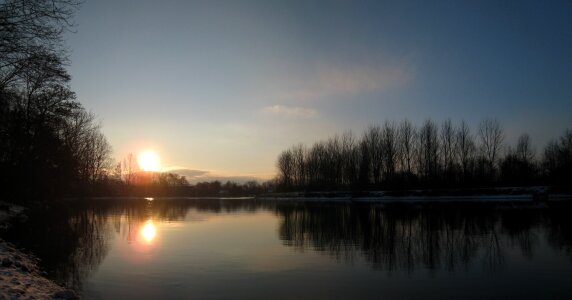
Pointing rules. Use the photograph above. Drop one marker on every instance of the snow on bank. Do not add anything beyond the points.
(499, 195)
(20, 276)
(9, 212)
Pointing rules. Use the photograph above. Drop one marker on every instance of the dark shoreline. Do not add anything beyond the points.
(512, 195)
(538, 194)
(21, 276)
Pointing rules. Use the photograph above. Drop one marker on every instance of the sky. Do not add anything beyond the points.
(220, 88)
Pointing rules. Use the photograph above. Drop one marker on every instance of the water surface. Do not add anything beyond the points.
(229, 249)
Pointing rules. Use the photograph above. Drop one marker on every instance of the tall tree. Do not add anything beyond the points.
(49, 141)
(31, 35)
(465, 148)
(407, 135)
(557, 159)
(389, 137)
(447, 139)
(491, 136)
(524, 149)
(372, 140)
(286, 168)
(428, 151)
(130, 167)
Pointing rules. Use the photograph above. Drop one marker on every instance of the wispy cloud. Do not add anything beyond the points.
(194, 176)
(189, 173)
(290, 111)
(328, 81)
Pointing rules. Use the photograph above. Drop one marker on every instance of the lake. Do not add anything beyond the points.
(253, 249)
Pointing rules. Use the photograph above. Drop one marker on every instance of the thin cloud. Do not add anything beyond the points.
(188, 172)
(195, 176)
(328, 81)
(290, 111)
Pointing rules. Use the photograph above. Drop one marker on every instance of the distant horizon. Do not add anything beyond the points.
(194, 176)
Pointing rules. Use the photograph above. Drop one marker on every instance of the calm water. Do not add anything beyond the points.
(247, 249)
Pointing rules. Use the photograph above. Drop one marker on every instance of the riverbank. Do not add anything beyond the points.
(537, 195)
(20, 275)
(540, 194)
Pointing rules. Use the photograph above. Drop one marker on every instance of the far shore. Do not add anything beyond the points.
(537, 194)
(522, 198)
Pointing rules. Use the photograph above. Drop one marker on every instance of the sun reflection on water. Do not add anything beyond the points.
(149, 231)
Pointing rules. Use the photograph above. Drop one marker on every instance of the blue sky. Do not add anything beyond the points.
(224, 86)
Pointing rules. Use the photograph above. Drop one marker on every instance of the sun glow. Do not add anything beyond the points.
(148, 161)
(149, 231)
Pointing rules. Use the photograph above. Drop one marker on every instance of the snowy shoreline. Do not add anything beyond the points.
(529, 195)
(20, 276)
(524, 198)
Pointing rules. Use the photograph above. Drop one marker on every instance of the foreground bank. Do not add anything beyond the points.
(20, 276)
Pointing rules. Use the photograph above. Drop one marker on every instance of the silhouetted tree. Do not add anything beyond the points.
(129, 168)
(298, 165)
(395, 157)
(50, 145)
(350, 159)
(524, 149)
(390, 150)
(286, 168)
(406, 145)
(557, 160)
(372, 140)
(491, 136)
(465, 149)
(31, 39)
(448, 146)
(428, 151)
(517, 167)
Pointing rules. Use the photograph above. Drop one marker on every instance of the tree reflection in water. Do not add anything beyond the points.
(73, 239)
(407, 238)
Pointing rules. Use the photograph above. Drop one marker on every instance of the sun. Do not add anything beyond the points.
(148, 161)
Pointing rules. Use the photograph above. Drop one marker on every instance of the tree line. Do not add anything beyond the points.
(49, 143)
(402, 156)
(126, 178)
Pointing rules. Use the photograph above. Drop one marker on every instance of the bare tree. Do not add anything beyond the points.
(557, 159)
(99, 156)
(465, 147)
(298, 165)
(524, 150)
(316, 164)
(407, 135)
(389, 148)
(129, 168)
(88, 146)
(350, 157)
(334, 163)
(31, 31)
(428, 150)
(343, 161)
(365, 164)
(447, 147)
(372, 140)
(491, 136)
